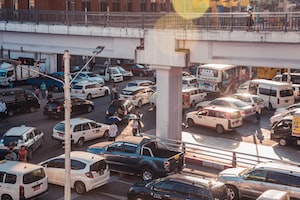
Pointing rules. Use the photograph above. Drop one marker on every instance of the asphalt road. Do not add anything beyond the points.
(119, 184)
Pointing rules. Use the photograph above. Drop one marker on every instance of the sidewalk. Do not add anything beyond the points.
(289, 154)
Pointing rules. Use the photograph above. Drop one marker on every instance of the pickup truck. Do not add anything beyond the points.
(51, 84)
(140, 156)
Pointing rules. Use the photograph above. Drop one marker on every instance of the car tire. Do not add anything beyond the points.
(29, 154)
(219, 129)
(89, 109)
(106, 93)
(147, 174)
(6, 197)
(190, 122)
(80, 142)
(138, 197)
(282, 142)
(89, 97)
(79, 187)
(106, 134)
(232, 192)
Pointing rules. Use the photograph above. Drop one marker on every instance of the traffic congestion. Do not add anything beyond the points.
(141, 167)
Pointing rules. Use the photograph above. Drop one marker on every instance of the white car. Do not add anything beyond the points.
(90, 76)
(137, 95)
(152, 100)
(136, 83)
(88, 171)
(250, 99)
(81, 129)
(220, 118)
(89, 90)
(115, 74)
(229, 102)
(279, 116)
(287, 108)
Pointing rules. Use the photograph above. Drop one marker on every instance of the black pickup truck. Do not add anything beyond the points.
(140, 155)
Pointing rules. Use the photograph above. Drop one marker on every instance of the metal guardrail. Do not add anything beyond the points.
(263, 21)
(218, 155)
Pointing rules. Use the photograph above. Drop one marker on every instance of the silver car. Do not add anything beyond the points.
(252, 182)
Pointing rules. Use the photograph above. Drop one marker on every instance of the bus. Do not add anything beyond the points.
(220, 78)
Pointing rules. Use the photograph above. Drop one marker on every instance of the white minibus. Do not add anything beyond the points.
(275, 94)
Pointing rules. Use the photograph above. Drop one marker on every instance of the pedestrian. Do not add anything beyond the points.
(37, 91)
(112, 132)
(115, 92)
(257, 111)
(135, 127)
(249, 15)
(43, 89)
(10, 84)
(22, 153)
(11, 155)
(3, 109)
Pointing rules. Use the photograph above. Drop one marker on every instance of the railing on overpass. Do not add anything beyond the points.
(213, 154)
(263, 21)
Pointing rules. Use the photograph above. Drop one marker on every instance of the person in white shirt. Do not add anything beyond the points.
(257, 111)
(2, 109)
(135, 127)
(249, 17)
(113, 129)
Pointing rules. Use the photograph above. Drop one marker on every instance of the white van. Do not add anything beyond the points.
(275, 94)
(20, 180)
(191, 96)
(110, 74)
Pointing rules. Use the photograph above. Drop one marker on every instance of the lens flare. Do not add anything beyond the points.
(190, 9)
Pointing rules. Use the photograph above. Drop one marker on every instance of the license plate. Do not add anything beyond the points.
(60, 135)
(298, 142)
(35, 188)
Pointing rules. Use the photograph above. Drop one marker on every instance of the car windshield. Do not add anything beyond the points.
(121, 69)
(140, 66)
(11, 140)
(60, 127)
(91, 75)
(130, 84)
(77, 87)
(239, 104)
(115, 71)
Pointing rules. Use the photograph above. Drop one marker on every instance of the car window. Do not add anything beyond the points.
(294, 181)
(77, 87)
(99, 166)
(257, 175)
(2, 176)
(212, 113)
(278, 178)
(77, 165)
(56, 163)
(239, 104)
(94, 125)
(164, 186)
(182, 188)
(60, 127)
(116, 147)
(129, 148)
(77, 128)
(85, 127)
(10, 178)
(34, 176)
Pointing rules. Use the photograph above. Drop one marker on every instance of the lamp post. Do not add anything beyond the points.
(99, 49)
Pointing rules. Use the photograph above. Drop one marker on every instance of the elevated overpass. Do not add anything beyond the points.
(165, 41)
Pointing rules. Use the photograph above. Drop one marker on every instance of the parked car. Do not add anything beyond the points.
(220, 118)
(55, 107)
(189, 81)
(287, 108)
(92, 77)
(229, 102)
(137, 95)
(115, 74)
(127, 75)
(140, 155)
(139, 69)
(137, 83)
(88, 171)
(250, 99)
(179, 186)
(274, 195)
(22, 180)
(120, 108)
(253, 181)
(89, 90)
(31, 137)
(81, 130)
(276, 118)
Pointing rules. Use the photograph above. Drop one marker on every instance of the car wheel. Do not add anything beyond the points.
(31, 109)
(106, 134)
(232, 192)
(138, 197)
(80, 142)
(190, 122)
(89, 109)
(89, 97)
(220, 129)
(106, 93)
(79, 187)
(282, 142)
(55, 89)
(29, 154)
(6, 197)
(147, 174)
(140, 104)
(141, 74)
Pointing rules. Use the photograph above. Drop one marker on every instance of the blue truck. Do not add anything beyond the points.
(51, 84)
(140, 156)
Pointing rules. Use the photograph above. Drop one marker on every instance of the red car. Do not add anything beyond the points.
(138, 69)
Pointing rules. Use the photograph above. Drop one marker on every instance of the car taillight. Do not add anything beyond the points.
(89, 175)
(21, 191)
(58, 108)
(167, 165)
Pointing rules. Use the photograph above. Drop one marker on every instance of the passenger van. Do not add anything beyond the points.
(19, 100)
(275, 94)
(110, 74)
(191, 96)
(20, 180)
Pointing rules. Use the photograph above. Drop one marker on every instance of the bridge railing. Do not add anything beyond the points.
(263, 21)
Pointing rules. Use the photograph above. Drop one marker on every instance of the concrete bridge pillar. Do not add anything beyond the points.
(168, 102)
